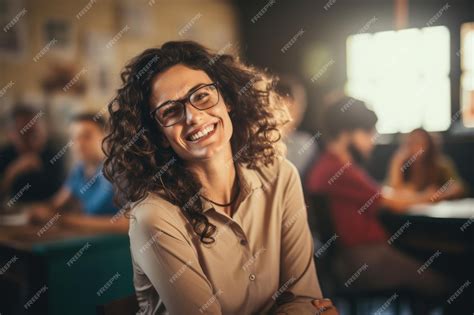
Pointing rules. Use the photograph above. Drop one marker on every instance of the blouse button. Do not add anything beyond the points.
(252, 277)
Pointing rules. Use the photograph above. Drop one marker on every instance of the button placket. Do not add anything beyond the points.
(249, 257)
(242, 240)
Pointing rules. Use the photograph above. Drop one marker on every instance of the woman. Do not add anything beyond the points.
(419, 166)
(218, 221)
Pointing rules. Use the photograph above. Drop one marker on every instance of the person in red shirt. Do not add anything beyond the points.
(354, 200)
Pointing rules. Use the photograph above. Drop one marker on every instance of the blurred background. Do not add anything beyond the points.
(410, 61)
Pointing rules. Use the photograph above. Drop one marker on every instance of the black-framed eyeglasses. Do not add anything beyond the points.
(173, 111)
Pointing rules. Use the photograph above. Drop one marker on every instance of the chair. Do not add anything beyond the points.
(124, 306)
(322, 227)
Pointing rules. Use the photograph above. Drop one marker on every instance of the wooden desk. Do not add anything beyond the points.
(64, 267)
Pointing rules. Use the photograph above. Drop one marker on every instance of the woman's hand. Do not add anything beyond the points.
(402, 155)
(395, 172)
(324, 307)
(26, 163)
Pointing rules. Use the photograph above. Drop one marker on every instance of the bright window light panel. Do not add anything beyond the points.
(467, 74)
(403, 76)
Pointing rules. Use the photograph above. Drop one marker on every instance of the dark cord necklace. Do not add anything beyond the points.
(231, 202)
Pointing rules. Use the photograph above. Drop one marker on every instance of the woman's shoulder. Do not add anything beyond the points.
(446, 169)
(281, 169)
(155, 211)
(155, 220)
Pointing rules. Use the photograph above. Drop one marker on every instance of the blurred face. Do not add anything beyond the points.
(296, 113)
(29, 134)
(87, 138)
(200, 133)
(416, 142)
(362, 141)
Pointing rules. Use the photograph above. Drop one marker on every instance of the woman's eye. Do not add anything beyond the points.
(170, 111)
(201, 96)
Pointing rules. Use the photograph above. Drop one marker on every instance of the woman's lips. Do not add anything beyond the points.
(210, 134)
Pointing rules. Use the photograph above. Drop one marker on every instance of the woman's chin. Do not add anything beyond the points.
(206, 152)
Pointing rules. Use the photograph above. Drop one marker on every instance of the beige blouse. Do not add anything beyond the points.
(260, 263)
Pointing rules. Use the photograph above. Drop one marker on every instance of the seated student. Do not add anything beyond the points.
(86, 182)
(301, 145)
(354, 200)
(419, 165)
(26, 170)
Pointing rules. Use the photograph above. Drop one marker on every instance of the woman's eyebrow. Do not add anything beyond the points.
(191, 90)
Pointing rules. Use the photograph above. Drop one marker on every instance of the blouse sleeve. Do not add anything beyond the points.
(298, 280)
(162, 251)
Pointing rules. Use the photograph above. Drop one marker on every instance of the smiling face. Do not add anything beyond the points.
(201, 133)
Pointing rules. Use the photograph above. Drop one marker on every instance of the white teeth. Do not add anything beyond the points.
(202, 133)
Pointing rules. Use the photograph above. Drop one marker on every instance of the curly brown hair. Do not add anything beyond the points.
(136, 161)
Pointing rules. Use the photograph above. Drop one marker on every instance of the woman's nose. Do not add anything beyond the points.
(193, 115)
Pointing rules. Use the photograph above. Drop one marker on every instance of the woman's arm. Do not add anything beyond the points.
(450, 184)
(395, 173)
(297, 268)
(454, 190)
(160, 248)
(400, 201)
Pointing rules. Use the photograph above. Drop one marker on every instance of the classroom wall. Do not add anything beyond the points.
(137, 25)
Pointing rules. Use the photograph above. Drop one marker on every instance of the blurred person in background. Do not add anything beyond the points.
(85, 182)
(355, 199)
(419, 165)
(302, 147)
(27, 167)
